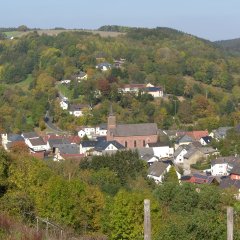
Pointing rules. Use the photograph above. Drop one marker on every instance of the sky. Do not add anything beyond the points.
(209, 19)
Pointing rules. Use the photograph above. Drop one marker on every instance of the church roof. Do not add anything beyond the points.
(142, 129)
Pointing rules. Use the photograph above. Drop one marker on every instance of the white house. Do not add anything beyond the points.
(107, 147)
(158, 170)
(179, 155)
(77, 109)
(81, 133)
(36, 144)
(161, 150)
(81, 76)
(223, 165)
(101, 130)
(64, 104)
(156, 92)
(65, 81)
(86, 146)
(104, 66)
(205, 140)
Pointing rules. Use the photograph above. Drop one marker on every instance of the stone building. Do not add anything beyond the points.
(131, 135)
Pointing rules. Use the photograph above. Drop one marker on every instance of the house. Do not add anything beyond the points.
(77, 109)
(183, 140)
(29, 135)
(101, 130)
(158, 169)
(104, 66)
(67, 151)
(107, 147)
(64, 104)
(88, 131)
(197, 135)
(132, 88)
(199, 179)
(222, 166)
(36, 144)
(178, 154)
(118, 63)
(9, 139)
(87, 146)
(192, 156)
(220, 133)
(131, 135)
(150, 158)
(145, 88)
(81, 76)
(156, 92)
(161, 150)
(65, 81)
(81, 133)
(227, 182)
(205, 140)
(53, 143)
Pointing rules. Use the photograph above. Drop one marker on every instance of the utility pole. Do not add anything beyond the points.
(147, 220)
(229, 223)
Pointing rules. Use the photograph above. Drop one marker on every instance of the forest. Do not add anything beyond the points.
(200, 80)
(102, 198)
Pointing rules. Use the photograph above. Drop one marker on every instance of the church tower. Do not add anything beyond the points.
(112, 121)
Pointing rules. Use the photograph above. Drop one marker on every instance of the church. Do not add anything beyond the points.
(131, 135)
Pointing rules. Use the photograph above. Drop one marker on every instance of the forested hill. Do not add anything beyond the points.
(232, 46)
(31, 67)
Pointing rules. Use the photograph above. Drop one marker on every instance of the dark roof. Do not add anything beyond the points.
(37, 141)
(228, 182)
(147, 157)
(86, 144)
(229, 159)
(142, 129)
(185, 138)
(103, 126)
(157, 168)
(14, 137)
(191, 152)
(221, 132)
(102, 145)
(30, 135)
(236, 169)
(58, 141)
(81, 74)
(69, 149)
(207, 139)
(153, 89)
(101, 138)
(77, 107)
(144, 151)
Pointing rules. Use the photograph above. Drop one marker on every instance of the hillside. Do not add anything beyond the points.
(232, 46)
(32, 65)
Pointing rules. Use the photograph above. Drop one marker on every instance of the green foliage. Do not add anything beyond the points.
(125, 164)
(171, 176)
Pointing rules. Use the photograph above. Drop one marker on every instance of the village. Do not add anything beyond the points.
(188, 152)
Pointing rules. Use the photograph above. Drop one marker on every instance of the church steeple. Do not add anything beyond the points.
(112, 121)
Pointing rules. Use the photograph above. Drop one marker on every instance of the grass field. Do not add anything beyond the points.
(24, 84)
(53, 32)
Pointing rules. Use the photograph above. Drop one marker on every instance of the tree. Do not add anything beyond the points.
(171, 176)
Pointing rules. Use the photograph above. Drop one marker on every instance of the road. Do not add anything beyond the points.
(49, 123)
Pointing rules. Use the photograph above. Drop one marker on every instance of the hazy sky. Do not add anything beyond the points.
(210, 19)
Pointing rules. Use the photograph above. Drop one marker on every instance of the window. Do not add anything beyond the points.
(126, 144)
(144, 143)
(135, 143)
